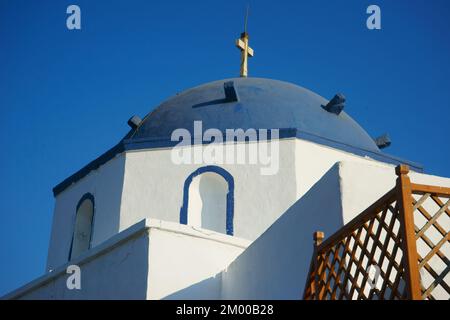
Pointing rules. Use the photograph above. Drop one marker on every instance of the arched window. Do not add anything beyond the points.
(82, 232)
(208, 200)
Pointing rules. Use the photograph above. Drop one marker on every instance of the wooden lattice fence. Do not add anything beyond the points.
(398, 248)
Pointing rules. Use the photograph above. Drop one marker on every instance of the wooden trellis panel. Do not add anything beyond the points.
(432, 225)
(398, 248)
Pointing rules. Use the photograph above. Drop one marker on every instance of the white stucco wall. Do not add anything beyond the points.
(153, 184)
(179, 261)
(105, 184)
(185, 262)
(148, 184)
(153, 187)
(152, 259)
(313, 160)
(363, 184)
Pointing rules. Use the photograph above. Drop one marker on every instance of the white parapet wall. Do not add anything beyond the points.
(152, 259)
(185, 262)
(115, 269)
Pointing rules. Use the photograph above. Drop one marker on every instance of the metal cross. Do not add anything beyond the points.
(246, 51)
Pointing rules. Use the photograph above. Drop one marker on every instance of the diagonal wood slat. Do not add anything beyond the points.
(432, 221)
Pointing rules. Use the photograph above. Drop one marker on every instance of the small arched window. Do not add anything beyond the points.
(207, 207)
(82, 232)
(208, 200)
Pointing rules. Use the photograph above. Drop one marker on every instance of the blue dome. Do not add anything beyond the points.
(261, 104)
(247, 103)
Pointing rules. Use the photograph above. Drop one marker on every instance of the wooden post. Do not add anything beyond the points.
(318, 238)
(309, 292)
(411, 261)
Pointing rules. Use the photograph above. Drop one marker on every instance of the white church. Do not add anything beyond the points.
(141, 226)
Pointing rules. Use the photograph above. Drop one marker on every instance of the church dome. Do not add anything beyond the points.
(245, 103)
(260, 104)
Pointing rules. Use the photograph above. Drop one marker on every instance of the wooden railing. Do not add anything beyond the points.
(398, 248)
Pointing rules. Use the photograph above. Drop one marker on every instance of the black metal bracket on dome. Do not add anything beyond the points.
(230, 96)
(383, 141)
(134, 122)
(336, 105)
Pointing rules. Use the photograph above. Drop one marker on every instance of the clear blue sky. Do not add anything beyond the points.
(65, 96)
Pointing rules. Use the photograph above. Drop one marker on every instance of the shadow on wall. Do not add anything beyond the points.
(209, 288)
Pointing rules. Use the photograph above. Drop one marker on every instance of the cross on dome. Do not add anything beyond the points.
(246, 51)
